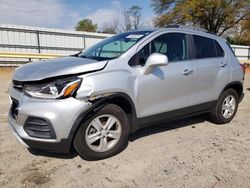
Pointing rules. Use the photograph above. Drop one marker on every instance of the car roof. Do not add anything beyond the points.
(182, 28)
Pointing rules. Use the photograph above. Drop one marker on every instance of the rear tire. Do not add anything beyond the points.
(226, 107)
(103, 135)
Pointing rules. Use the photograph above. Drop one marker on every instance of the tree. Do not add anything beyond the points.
(245, 32)
(127, 22)
(86, 25)
(215, 16)
(132, 18)
(243, 37)
(111, 27)
(245, 29)
(135, 13)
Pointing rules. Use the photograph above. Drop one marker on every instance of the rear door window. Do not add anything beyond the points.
(204, 47)
(219, 50)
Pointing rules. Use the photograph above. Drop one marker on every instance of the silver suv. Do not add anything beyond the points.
(93, 100)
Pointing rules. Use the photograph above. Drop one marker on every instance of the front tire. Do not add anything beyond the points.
(104, 134)
(226, 107)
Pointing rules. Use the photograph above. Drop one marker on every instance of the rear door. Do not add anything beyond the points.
(212, 70)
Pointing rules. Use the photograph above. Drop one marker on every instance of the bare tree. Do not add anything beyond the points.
(132, 18)
(135, 13)
(111, 27)
(127, 20)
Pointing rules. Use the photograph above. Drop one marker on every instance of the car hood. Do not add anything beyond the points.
(56, 67)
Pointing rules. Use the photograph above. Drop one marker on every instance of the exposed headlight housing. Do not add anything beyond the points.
(61, 88)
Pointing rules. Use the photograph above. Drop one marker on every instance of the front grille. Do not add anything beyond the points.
(17, 85)
(14, 108)
(39, 128)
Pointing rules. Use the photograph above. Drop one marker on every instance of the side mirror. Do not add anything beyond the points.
(154, 60)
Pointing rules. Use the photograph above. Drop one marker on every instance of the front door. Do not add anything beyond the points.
(166, 88)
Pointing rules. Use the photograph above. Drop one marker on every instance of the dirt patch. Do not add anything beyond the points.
(248, 70)
(36, 178)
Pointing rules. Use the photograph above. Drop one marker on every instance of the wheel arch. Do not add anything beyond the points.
(237, 86)
(122, 100)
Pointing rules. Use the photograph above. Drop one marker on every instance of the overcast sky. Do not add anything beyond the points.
(65, 14)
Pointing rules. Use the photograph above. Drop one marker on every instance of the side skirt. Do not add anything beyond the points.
(174, 115)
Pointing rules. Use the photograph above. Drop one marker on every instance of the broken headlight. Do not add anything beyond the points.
(61, 88)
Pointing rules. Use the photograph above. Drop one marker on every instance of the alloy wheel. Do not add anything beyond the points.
(228, 106)
(103, 133)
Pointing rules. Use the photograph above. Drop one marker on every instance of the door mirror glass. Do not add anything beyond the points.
(154, 60)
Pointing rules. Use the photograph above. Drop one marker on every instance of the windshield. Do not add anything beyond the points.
(114, 46)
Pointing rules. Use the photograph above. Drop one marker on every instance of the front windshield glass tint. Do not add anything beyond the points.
(114, 46)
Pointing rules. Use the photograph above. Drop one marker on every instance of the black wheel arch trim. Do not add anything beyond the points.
(98, 104)
(232, 84)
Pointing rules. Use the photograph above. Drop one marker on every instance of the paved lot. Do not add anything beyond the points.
(186, 153)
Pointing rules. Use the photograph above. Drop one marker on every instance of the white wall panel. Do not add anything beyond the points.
(242, 52)
(17, 39)
(43, 40)
(11, 38)
(5, 38)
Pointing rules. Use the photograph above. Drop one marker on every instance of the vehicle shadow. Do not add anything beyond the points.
(167, 126)
(248, 89)
(37, 152)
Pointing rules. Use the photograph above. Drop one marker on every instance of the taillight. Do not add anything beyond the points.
(243, 66)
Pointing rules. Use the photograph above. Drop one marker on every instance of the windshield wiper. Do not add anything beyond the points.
(75, 55)
(83, 56)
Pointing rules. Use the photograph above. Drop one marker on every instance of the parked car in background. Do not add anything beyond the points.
(92, 101)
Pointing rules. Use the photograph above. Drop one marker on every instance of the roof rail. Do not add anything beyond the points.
(186, 27)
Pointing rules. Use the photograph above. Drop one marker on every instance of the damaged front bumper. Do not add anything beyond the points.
(44, 124)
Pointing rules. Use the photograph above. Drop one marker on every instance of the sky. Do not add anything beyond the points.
(64, 14)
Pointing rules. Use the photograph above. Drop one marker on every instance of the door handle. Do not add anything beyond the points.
(187, 71)
(223, 64)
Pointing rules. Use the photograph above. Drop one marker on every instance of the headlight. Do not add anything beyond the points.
(60, 88)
